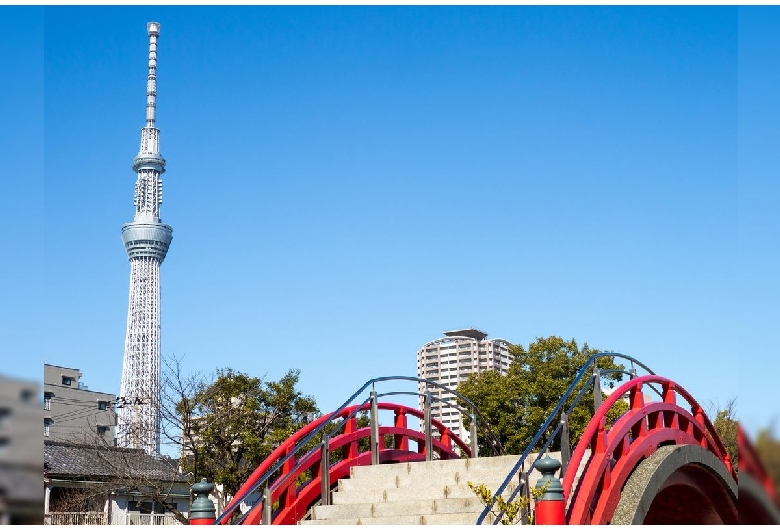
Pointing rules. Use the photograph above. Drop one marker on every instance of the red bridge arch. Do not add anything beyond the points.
(706, 486)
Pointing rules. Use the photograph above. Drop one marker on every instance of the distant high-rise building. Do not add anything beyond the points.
(74, 413)
(146, 241)
(450, 359)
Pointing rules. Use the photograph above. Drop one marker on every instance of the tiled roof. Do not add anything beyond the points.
(64, 459)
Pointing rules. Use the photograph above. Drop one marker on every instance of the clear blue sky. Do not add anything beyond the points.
(344, 184)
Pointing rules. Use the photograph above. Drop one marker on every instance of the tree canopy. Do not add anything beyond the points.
(725, 423)
(236, 421)
(516, 405)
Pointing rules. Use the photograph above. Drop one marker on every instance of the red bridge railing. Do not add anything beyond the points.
(759, 501)
(300, 483)
(616, 450)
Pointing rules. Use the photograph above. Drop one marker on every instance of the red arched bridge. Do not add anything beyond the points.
(660, 462)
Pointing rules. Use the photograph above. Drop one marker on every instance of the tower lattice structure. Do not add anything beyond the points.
(146, 240)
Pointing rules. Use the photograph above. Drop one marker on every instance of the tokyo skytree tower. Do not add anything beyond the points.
(146, 241)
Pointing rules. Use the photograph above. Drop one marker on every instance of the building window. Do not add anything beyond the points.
(102, 430)
(47, 400)
(67, 381)
(4, 413)
(145, 507)
(102, 405)
(46, 424)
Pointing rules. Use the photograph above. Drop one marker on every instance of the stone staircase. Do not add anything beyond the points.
(418, 493)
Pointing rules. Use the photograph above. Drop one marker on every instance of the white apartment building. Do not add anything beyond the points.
(449, 360)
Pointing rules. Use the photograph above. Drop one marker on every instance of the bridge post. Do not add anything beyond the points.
(565, 443)
(473, 436)
(596, 387)
(427, 420)
(202, 510)
(374, 429)
(525, 493)
(550, 507)
(325, 471)
(268, 507)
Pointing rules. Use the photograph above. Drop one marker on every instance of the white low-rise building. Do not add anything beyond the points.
(91, 484)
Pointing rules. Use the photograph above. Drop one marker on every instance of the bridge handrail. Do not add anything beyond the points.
(283, 453)
(555, 432)
(355, 409)
(552, 416)
(494, 442)
(551, 438)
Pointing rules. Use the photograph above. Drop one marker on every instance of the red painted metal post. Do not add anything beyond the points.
(444, 438)
(288, 497)
(400, 440)
(352, 451)
(550, 507)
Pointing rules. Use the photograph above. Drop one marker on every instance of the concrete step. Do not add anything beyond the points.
(407, 481)
(436, 467)
(393, 494)
(388, 509)
(433, 492)
(438, 519)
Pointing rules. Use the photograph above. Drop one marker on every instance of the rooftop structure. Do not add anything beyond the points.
(468, 332)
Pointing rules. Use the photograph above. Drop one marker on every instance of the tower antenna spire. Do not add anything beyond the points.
(146, 240)
(153, 29)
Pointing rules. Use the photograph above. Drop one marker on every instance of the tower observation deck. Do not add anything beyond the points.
(146, 240)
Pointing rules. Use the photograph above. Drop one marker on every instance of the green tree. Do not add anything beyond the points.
(725, 424)
(238, 420)
(768, 448)
(516, 405)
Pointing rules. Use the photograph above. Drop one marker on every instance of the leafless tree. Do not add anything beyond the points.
(177, 410)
